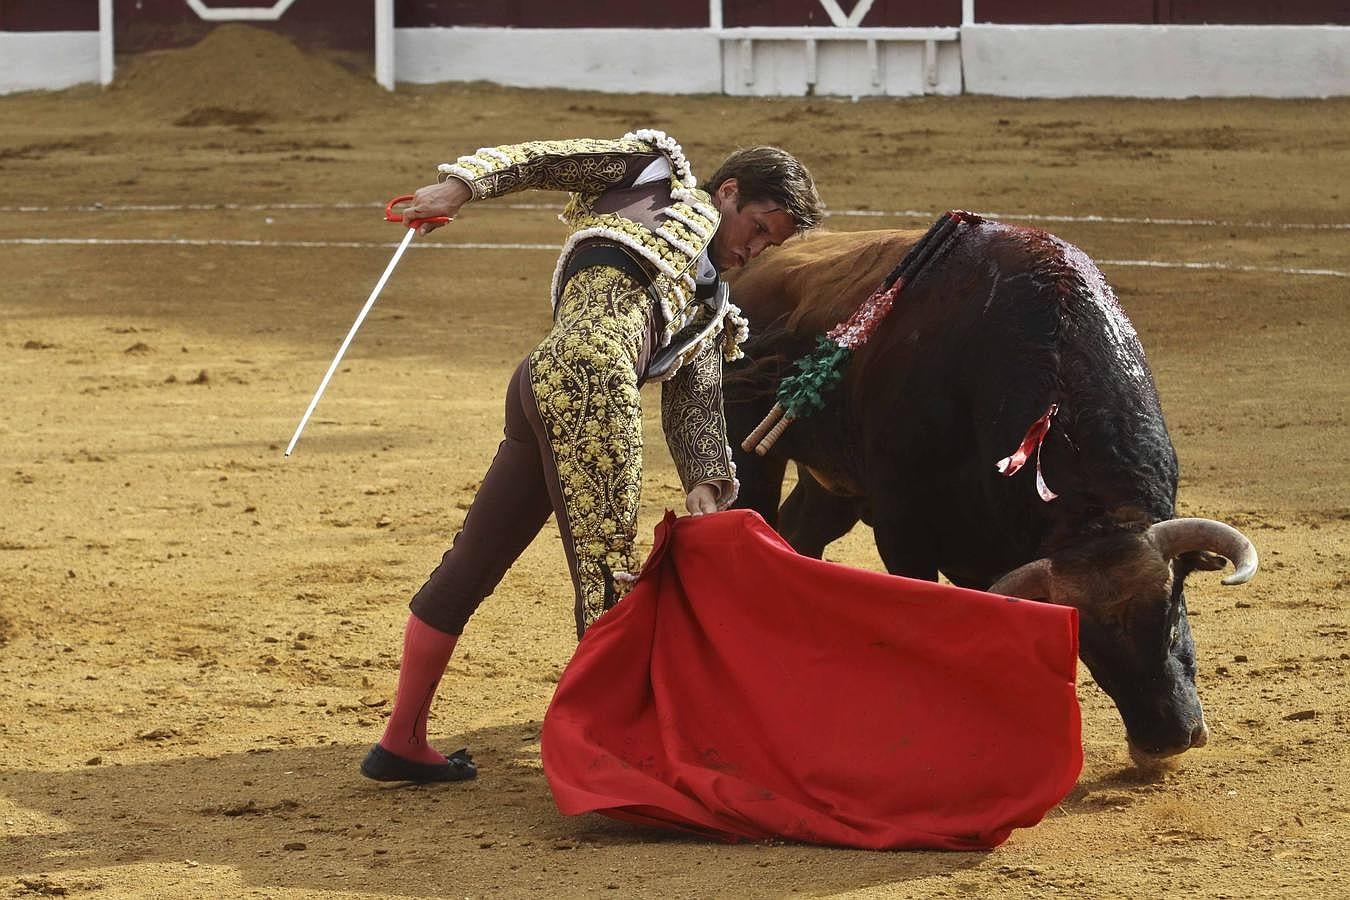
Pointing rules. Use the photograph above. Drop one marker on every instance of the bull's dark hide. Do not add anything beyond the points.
(1005, 323)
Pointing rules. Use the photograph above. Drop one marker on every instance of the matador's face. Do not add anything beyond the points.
(748, 229)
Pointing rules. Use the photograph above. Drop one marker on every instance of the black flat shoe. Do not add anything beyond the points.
(381, 765)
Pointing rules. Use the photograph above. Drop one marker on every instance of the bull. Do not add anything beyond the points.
(1004, 325)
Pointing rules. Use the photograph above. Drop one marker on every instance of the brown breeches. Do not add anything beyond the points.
(507, 513)
(573, 445)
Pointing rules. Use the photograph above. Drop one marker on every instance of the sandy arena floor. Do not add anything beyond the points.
(198, 639)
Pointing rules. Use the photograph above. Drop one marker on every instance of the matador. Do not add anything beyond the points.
(636, 297)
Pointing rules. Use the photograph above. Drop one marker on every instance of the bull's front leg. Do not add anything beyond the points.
(906, 547)
(761, 480)
(812, 518)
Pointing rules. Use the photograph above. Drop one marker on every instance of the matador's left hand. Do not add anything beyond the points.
(702, 499)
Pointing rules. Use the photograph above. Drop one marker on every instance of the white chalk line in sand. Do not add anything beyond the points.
(1089, 218)
(377, 245)
(223, 242)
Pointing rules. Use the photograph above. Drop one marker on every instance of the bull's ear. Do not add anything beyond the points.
(1199, 561)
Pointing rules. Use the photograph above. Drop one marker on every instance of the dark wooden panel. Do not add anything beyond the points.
(48, 15)
(1164, 12)
(1066, 12)
(550, 14)
(1261, 12)
(884, 13)
(160, 24)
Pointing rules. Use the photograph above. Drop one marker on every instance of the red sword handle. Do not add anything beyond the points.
(391, 216)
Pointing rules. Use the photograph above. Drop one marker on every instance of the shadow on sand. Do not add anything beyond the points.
(305, 818)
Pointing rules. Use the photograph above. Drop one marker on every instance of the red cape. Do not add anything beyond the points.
(745, 692)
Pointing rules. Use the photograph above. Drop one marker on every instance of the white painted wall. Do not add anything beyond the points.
(1009, 60)
(1156, 60)
(47, 60)
(617, 60)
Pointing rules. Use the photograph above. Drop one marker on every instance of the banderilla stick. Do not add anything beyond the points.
(767, 432)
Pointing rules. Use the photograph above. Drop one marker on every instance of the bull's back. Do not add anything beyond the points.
(819, 278)
(1004, 323)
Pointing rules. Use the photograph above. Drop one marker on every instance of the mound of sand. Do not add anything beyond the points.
(241, 74)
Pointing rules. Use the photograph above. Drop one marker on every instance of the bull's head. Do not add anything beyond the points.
(1134, 636)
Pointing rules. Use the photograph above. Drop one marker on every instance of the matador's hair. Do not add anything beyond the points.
(768, 173)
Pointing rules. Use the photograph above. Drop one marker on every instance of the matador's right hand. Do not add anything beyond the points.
(443, 199)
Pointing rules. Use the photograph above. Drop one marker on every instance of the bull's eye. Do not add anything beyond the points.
(1174, 636)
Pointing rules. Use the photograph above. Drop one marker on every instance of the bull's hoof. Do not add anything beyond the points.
(381, 765)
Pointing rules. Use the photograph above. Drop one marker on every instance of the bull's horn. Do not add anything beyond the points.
(1177, 536)
(1030, 581)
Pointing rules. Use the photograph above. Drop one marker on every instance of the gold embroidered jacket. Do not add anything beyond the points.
(667, 224)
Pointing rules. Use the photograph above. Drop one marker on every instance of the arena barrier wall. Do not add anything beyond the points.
(1003, 59)
(622, 60)
(1007, 60)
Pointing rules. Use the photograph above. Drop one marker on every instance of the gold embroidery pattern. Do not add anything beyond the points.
(586, 168)
(693, 420)
(530, 149)
(584, 173)
(586, 387)
(671, 260)
(672, 251)
(583, 166)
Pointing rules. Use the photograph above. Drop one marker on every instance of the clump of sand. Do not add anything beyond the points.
(241, 74)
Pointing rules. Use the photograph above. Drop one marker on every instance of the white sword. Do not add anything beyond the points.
(412, 229)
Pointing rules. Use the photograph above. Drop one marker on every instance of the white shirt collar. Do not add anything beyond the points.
(706, 271)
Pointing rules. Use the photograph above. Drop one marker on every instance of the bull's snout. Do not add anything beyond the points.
(1145, 756)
